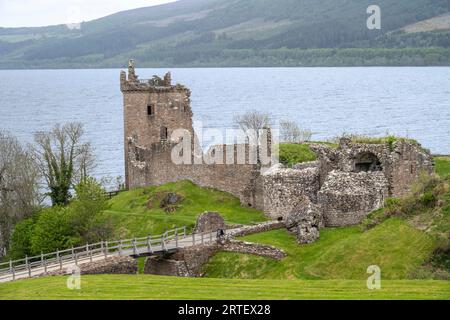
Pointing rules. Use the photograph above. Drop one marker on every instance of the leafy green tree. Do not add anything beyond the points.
(86, 208)
(53, 231)
(21, 239)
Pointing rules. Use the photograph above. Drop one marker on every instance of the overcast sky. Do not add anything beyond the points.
(32, 13)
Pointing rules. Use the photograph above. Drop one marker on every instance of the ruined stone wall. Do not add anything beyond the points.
(257, 228)
(346, 198)
(408, 161)
(402, 162)
(157, 168)
(284, 188)
(254, 249)
(171, 110)
(114, 265)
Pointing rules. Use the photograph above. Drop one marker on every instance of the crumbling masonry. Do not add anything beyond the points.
(340, 188)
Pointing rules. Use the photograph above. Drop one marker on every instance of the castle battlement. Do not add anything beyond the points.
(156, 84)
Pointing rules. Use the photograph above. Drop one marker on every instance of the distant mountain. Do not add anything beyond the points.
(241, 33)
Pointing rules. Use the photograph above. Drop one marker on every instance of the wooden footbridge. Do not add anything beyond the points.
(170, 241)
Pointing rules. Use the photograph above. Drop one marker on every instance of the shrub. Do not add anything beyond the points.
(89, 202)
(21, 239)
(52, 231)
(428, 199)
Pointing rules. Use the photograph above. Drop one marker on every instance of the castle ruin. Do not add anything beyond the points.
(340, 188)
(153, 110)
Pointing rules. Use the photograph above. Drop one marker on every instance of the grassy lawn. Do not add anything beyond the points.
(442, 166)
(341, 253)
(142, 287)
(137, 213)
(291, 153)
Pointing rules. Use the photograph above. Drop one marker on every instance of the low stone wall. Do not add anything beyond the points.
(166, 267)
(253, 248)
(196, 257)
(113, 265)
(262, 227)
(187, 262)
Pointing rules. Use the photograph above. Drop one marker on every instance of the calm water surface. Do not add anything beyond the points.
(413, 102)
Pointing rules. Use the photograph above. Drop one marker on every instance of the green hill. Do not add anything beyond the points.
(138, 213)
(343, 253)
(236, 33)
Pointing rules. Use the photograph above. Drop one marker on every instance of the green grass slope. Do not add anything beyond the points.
(341, 253)
(293, 153)
(137, 213)
(442, 166)
(131, 287)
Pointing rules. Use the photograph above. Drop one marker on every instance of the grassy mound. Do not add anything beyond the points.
(137, 213)
(133, 287)
(341, 253)
(293, 153)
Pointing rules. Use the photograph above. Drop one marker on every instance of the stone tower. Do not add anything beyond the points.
(153, 109)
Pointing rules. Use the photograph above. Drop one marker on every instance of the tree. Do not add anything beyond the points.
(63, 159)
(21, 239)
(252, 123)
(89, 202)
(291, 132)
(19, 187)
(53, 231)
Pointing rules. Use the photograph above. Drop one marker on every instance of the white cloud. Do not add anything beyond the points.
(27, 13)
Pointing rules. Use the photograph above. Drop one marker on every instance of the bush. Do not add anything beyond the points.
(21, 239)
(53, 231)
(89, 202)
(428, 199)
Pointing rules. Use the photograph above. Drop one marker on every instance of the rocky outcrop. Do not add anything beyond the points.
(305, 221)
(209, 222)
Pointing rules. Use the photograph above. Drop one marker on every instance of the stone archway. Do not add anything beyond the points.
(367, 162)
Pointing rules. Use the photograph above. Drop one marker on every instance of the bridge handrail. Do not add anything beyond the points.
(89, 250)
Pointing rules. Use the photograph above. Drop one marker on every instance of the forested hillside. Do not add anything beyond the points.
(239, 33)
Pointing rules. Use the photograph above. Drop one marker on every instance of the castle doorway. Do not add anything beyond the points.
(367, 162)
